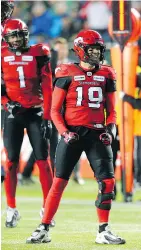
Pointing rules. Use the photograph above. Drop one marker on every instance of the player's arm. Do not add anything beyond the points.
(110, 131)
(58, 98)
(110, 108)
(46, 82)
(110, 104)
(47, 90)
(11, 106)
(4, 97)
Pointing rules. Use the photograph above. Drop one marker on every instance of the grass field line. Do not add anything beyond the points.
(125, 226)
(116, 230)
(25, 211)
(79, 202)
(86, 231)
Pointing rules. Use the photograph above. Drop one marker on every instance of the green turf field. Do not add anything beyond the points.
(76, 221)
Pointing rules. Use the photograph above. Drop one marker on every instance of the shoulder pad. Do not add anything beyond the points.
(64, 70)
(41, 49)
(111, 72)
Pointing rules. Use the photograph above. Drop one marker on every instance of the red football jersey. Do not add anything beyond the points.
(86, 95)
(27, 77)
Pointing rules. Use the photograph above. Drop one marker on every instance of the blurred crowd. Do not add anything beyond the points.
(57, 23)
(48, 20)
(65, 18)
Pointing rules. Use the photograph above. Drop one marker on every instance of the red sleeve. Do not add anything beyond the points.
(46, 81)
(4, 100)
(4, 97)
(57, 102)
(110, 108)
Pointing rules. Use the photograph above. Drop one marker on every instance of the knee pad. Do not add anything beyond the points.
(106, 194)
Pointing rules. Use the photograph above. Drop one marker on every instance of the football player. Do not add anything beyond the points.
(27, 100)
(87, 90)
(62, 48)
(7, 8)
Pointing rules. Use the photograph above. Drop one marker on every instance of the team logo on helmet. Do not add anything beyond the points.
(78, 40)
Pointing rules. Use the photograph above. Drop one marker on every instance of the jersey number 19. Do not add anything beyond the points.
(94, 101)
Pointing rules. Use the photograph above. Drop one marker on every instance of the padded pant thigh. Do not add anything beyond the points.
(38, 142)
(66, 158)
(13, 136)
(100, 158)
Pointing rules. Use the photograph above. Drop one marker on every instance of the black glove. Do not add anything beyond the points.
(109, 134)
(70, 137)
(46, 128)
(106, 138)
(14, 107)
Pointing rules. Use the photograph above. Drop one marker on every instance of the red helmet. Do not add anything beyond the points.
(86, 39)
(7, 8)
(16, 27)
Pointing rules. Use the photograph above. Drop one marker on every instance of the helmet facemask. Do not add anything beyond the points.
(94, 54)
(17, 40)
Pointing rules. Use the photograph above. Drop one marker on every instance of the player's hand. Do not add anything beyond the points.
(121, 94)
(14, 108)
(70, 137)
(46, 128)
(106, 138)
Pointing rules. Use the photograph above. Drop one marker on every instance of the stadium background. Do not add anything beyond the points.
(48, 20)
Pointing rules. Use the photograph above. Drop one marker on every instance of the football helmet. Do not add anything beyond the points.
(89, 39)
(16, 34)
(7, 8)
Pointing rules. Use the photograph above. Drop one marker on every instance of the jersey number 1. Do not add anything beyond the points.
(21, 76)
(94, 101)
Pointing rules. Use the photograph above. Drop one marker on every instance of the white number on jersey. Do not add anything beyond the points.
(21, 77)
(94, 101)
